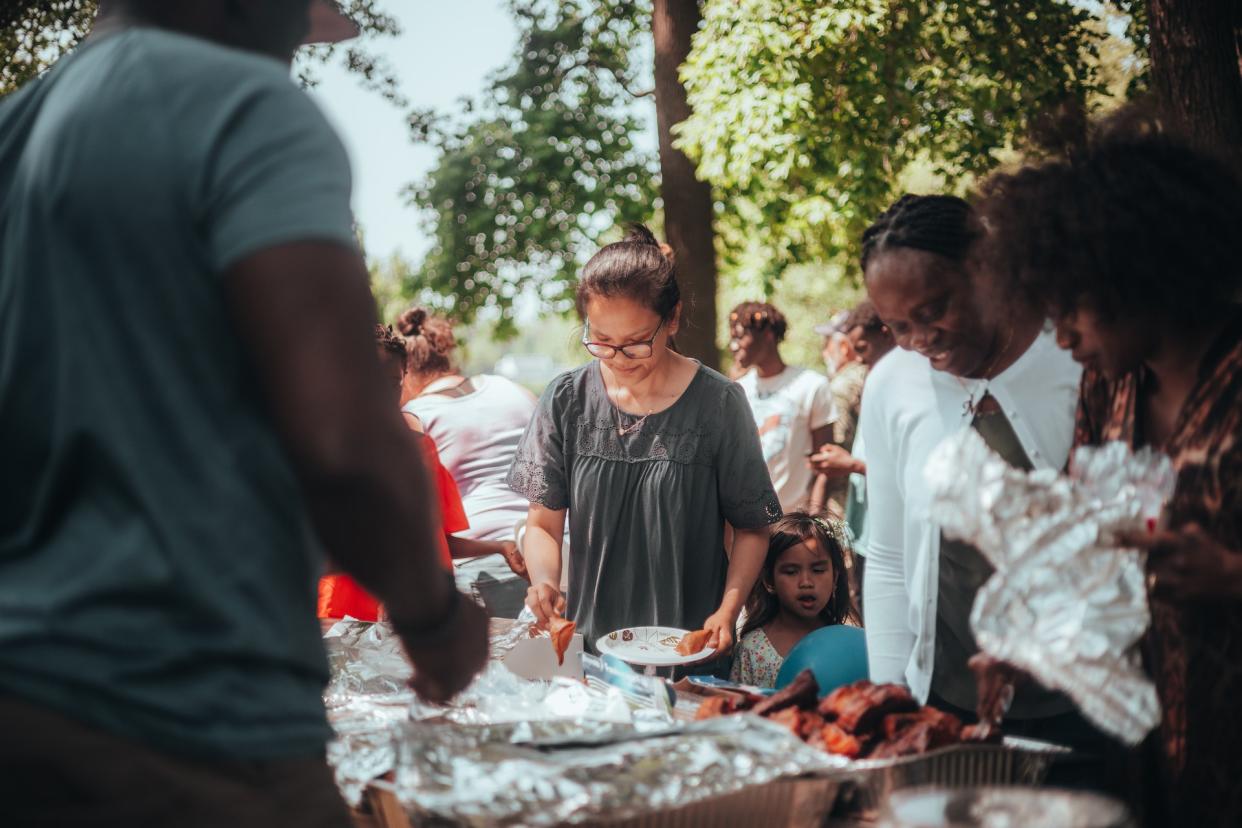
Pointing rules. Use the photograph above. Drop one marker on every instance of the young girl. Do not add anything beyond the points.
(804, 586)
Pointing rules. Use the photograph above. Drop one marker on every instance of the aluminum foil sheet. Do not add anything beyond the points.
(477, 776)
(506, 634)
(364, 660)
(368, 701)
(1066, 604)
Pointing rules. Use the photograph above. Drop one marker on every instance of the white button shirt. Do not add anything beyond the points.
(908, 408)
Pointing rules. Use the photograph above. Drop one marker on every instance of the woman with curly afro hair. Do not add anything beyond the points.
(1129, 238)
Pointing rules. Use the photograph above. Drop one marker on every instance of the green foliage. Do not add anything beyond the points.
(391, 281)
(34, 35)
(357, 56)
(807, 113)
(525, 188)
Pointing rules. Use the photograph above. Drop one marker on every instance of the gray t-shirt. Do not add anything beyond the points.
(157, 575)
(646, 509)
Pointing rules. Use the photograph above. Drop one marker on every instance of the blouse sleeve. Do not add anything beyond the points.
(743, 483)
(890, 640)
(540, 470)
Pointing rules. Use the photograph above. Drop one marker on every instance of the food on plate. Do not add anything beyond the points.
(858, 721)
(693, 642)
(562, 632)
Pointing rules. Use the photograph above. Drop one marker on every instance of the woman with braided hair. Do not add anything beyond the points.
(964, 361)
(1129, 239)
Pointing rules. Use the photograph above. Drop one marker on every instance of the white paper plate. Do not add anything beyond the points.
(649, 647)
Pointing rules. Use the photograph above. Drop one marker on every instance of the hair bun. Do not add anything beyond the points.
(411, 322)
(640, 234)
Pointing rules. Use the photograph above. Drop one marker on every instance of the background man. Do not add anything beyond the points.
(792, 406)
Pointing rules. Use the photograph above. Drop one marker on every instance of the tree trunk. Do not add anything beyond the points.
(687, 201)
(1195, 69)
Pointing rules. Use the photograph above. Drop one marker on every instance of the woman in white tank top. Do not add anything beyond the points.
(476, 423)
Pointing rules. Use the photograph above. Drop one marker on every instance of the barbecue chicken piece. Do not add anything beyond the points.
(909, 733)
(562, 632)
(802, 723)
(692, 642)
(946, 727)
(860, 707)
(835, 740)
(714, 706)
(802, 692)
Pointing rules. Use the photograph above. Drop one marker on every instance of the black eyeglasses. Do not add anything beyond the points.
(635, 350)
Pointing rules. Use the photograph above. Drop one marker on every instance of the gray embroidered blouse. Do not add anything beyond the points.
(647, 508)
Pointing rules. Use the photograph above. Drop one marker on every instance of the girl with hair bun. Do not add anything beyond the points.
(429, 346)
(642, 456)
(475, 423)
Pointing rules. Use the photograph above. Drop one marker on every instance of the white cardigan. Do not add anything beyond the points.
(908, 408)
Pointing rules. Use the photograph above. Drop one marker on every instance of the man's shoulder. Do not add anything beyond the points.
(196, 83)
(181, 57)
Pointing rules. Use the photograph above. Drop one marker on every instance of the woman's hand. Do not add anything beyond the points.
(720, 626)
(1188, 563)
(995, 682)
(832, 461)
(546, 602)
(509, 551)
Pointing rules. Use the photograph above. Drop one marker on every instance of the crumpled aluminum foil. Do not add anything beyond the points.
(478, 777)
(368, 700)
(365, 659)
(1066, 604)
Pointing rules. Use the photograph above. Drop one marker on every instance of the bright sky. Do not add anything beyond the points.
(445, 52)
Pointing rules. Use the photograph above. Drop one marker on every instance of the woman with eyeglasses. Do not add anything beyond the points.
(649, 454)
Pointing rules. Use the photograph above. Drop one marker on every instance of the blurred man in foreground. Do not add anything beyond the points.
(190, 404)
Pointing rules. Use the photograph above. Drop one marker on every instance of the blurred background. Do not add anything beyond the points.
(496, 144)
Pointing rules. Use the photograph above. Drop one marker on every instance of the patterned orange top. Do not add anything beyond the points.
(1193, 650)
